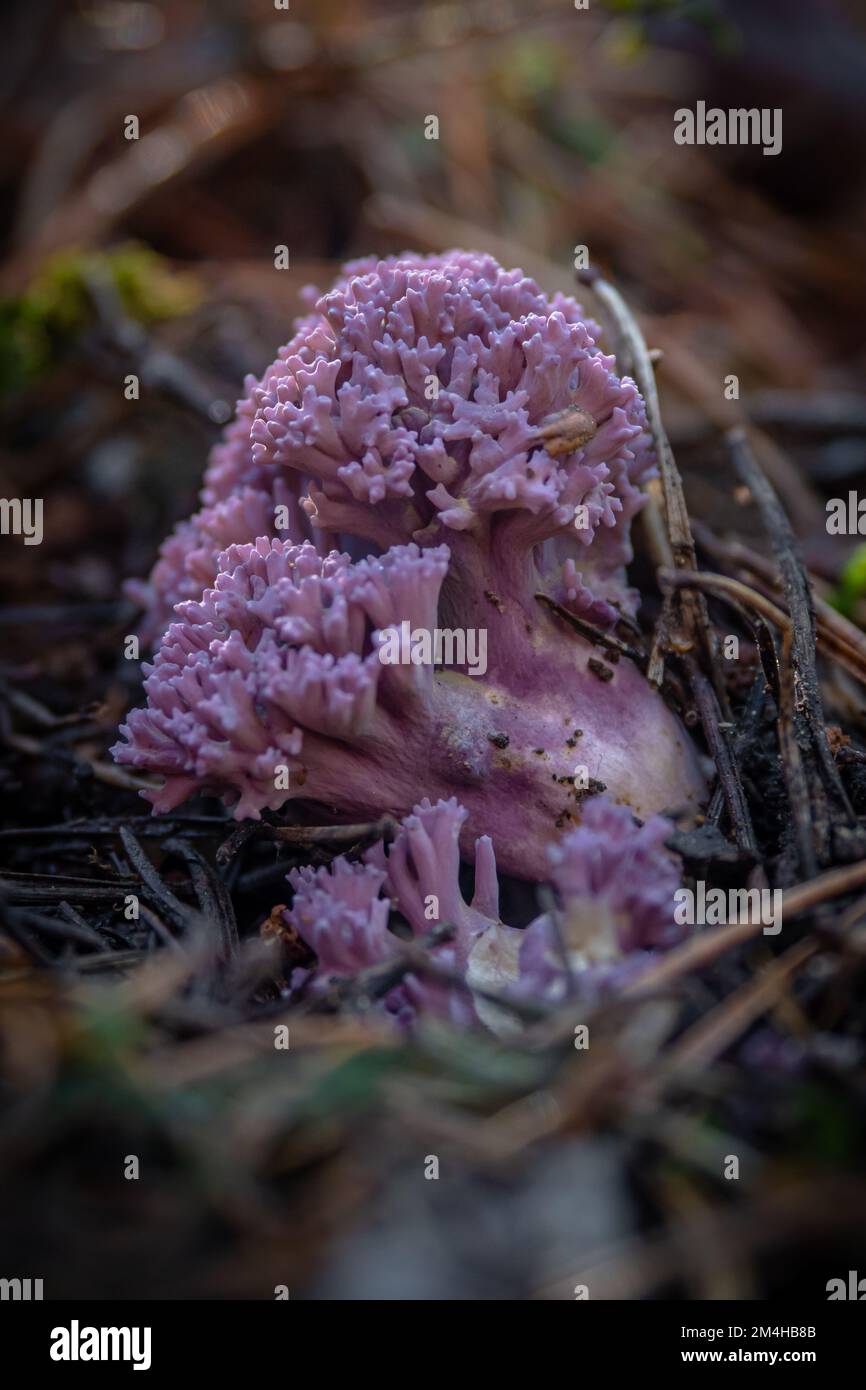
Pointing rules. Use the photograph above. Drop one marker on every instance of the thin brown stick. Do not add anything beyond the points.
(333, 834)
(807, 702)
(734, 591)
(692, 609)
(700, 951)
(793, 769)
(722, 750)
(177, 912)
(730, 1019)
(593, 634)
(832, 639)
(837, 636)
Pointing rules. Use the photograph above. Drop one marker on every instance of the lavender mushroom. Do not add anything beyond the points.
(445, 420)
(455, 396)
(615, 883)
(340, 913)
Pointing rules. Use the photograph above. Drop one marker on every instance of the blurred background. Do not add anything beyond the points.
(304, 126)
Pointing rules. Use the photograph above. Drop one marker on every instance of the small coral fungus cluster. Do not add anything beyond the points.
(440, 448)
(614, 881)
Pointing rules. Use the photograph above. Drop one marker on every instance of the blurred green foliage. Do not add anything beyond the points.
(705, 15)
(852, 583)
(38, 326)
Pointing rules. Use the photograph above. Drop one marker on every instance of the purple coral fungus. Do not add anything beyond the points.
(466, 430)
(342, 911)
(615, 883)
